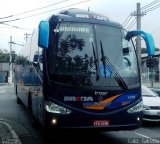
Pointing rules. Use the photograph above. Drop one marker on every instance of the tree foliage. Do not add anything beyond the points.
(5, 56)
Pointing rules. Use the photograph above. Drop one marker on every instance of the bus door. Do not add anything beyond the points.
(38, 99)
(33, 96)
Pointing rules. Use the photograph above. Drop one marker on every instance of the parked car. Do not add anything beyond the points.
(151, 105)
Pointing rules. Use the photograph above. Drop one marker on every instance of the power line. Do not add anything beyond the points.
(12, 26)
(3, 22)
(144, 11)
(153, 8)
(127, 20)
(9, 20)
(33, 10)
(150, 4)
(39, 8)
(8, 25)
(131, 24)
(46, 11)
(6, 17)
(53, 9)
(16, 43)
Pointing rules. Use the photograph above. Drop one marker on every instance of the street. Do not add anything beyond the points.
(17, 117)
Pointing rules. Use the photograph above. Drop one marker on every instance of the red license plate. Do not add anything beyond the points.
(101, 122)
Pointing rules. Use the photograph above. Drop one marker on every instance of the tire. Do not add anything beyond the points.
(18, 100)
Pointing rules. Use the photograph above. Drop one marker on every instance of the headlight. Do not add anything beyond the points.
(145, 107)
(54, 108)
(137, 108)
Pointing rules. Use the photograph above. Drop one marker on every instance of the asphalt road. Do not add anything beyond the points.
(16, 116)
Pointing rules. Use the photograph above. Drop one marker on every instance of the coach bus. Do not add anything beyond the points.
(79, 69)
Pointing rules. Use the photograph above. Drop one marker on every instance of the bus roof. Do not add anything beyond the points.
(75, 14)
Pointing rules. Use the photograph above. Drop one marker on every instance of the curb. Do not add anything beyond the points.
(7, 134)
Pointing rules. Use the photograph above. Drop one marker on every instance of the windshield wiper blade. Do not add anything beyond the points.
(103, 59)
(116, 75)
(95, 63)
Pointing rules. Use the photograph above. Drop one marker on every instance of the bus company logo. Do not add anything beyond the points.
(91, 16)
(78, 98)
(100, 93)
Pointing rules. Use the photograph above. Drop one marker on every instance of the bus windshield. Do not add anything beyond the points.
(77, 51)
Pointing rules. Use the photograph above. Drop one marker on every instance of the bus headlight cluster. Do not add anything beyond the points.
(54, 108)
(137, 108)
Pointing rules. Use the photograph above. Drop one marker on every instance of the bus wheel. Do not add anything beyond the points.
(18, 100)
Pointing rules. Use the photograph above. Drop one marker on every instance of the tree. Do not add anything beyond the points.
(5, 56)
(21, 60)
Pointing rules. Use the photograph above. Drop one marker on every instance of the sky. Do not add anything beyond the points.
(31, 12)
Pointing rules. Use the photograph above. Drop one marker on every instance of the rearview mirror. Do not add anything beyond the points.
(147, 38)
(43, 35)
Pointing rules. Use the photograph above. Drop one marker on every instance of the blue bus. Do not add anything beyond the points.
(80, 70)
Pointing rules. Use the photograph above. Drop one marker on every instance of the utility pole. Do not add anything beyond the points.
(26, 36)
(138, 40)
(138, 15)
(10, 79)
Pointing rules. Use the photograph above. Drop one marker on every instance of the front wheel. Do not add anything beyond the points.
(18, 100)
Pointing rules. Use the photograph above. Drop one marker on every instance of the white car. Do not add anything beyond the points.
(151, 105)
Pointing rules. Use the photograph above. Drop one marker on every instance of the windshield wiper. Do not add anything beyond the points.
(95, 63)
(116, 75)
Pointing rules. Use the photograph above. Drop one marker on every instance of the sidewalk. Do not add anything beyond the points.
(7, 134)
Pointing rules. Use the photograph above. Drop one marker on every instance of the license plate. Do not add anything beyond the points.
(100, 122)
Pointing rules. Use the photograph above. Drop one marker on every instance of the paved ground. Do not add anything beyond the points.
(7, 134)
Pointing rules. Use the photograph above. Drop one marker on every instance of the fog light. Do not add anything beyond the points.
(54, 121)
(138, 119)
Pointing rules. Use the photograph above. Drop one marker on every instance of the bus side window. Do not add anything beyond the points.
(38, 61)
(125, 51)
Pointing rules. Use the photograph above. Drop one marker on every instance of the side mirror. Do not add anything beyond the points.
(43, 34)
(148, 40)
